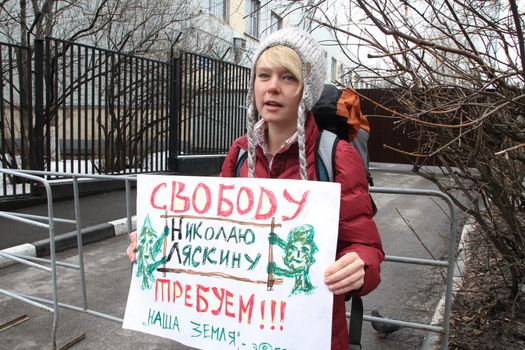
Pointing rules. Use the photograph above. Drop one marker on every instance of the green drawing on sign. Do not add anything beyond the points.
(299, 253)
(148, 250)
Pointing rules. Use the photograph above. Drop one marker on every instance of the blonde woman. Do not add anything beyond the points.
(287, 80)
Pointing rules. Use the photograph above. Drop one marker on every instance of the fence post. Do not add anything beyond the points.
(173, 140)
(37, 153)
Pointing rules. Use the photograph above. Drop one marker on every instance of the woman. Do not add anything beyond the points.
(287, 80)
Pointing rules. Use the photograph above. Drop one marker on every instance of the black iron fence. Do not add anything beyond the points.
(16, 109)
(89, 110)
(105, 112)
(69, 107)
(212, 99)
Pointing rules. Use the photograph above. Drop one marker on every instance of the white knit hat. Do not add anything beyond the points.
(313, 61)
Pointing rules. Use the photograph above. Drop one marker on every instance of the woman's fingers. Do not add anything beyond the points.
(352, 282)
(132, 247)
(346, 274)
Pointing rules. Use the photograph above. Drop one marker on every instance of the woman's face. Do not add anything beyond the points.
(277, 95)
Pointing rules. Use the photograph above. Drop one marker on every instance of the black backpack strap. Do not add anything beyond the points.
(241, 158)
(356, 323)
(325, 155)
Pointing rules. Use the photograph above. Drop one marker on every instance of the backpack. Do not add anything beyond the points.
(339, 112)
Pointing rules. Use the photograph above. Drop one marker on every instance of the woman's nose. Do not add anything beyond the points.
(273, 83)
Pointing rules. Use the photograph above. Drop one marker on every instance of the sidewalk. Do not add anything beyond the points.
(407, 292)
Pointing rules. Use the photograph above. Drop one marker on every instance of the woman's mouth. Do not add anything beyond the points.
(272, 104)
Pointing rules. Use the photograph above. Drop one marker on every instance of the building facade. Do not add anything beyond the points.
(241, 24)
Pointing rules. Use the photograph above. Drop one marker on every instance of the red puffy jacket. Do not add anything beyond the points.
(357, 230)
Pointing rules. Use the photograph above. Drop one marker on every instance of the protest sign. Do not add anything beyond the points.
(234, 263)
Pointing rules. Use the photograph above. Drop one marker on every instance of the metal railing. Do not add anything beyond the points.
(449, 264)
(212, 94)
(40, 176)
(42, 303)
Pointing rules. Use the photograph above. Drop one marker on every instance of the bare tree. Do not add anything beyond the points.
(457, 70)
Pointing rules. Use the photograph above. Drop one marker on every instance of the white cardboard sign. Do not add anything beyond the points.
(234, 263)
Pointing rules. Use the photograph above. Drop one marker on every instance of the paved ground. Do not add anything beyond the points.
(94, 210)
(407, 292)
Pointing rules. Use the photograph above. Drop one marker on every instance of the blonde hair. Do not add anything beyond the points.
(280, 55)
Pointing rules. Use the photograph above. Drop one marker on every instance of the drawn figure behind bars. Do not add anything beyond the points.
(148, 251)
(299, 253)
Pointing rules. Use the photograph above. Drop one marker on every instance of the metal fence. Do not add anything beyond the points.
(443, 329)
(96, 111)
(105, 111)
(48, 222)
(211, 104)
(16, 109)
(69, 107)
(385, 128)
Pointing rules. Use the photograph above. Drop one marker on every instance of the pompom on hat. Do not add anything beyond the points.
(313, 61)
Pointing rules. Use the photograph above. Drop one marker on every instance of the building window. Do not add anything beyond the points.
(276, 22)
(345, 75)
(252, 17)
(218, 8)
(333, 72)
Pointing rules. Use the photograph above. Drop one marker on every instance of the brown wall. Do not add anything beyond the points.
(383, 128)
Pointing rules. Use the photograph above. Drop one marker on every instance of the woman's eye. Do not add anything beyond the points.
(263, 76)
(289, 78)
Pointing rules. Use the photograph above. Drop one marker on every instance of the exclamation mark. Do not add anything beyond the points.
(283, 307)
(273, 313)
(262, 314)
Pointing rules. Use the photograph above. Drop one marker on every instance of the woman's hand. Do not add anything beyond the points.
(132, 247)
(346, 274)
